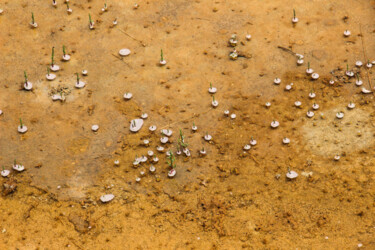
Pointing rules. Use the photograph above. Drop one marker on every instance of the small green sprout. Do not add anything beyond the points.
(52, 57)
(21, 126)
(308, 65)
(25, 75)
(181, 140)
(90, 20)
(171, 161)
(213, 98)
(67, 5)
(48, 71)
(294, 14)
(161, 55)
(210, 85)
(64, 51)
(32, 18)
(77, 77)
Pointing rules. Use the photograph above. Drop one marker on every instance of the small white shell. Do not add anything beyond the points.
(212, 90)
(275, 124)
(347, 33)
(172, 173)
(253, 142)
(80, 85)
(164, 139)
(351, 105)
(310, 114)
(291, 175)
(215, 103)
(124, 52)
(50, 77)
(55, 68)
(166, 132)
(277, 81)
(300, 61)
(5, 173)
(366, 91)
(315, 76)
(128, 96)
(18, 167)
(22, 130)
(66, 57)
(152, 169)
(27, 85)
(162, 63)
(136, 125)
(208, 137)
(286, 140)
(95, 127)
(107, 198)
(340, 115)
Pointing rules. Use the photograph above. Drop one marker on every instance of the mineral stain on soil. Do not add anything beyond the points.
(232, 197)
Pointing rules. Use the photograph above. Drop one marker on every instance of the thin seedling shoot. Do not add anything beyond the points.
(294, 19)
(49, 75)
(79, 84)
(162, 62)
(27, 85)
(22, 128)
(65, 57)
(53, 66)
(68, 9)
(33, 23)
(91, 23)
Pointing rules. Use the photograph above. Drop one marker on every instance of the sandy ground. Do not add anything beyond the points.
(229, 199)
